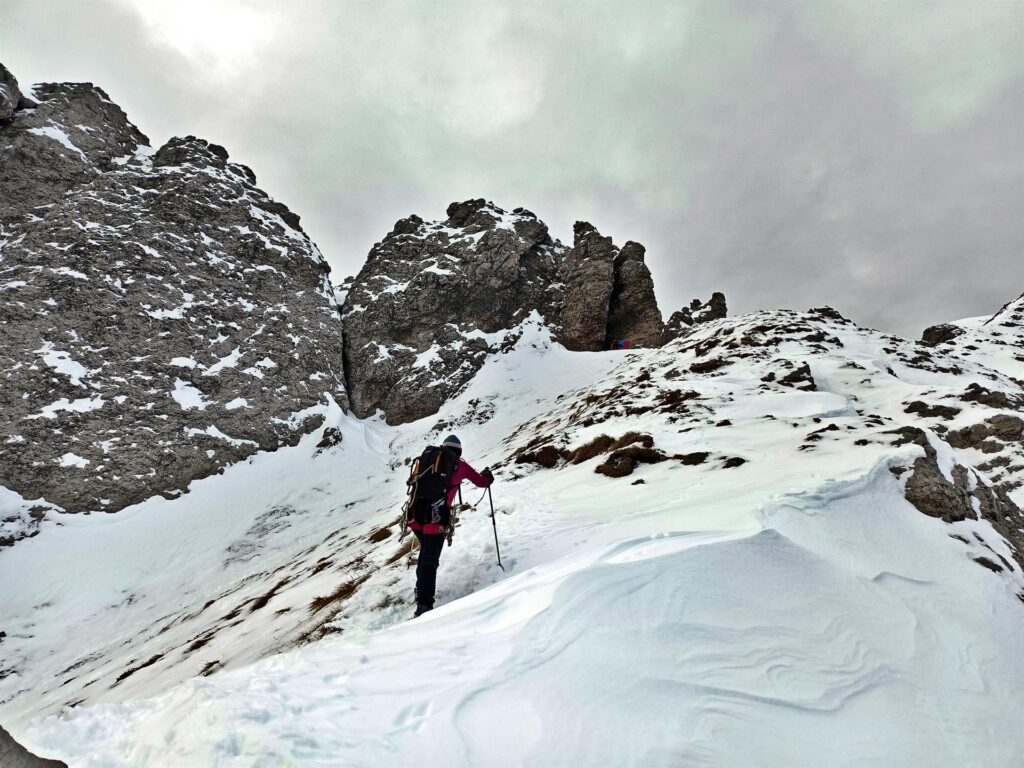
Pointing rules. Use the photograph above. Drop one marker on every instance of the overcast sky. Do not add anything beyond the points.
(791, 153)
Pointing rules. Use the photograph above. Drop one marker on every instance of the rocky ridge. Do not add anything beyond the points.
(435, 298)
(954, 479)
(161, 315)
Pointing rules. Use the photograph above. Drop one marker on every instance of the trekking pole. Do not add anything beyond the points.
(494, 524)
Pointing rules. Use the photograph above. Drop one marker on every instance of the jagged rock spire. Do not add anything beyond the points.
(588, 272)
(633, 312)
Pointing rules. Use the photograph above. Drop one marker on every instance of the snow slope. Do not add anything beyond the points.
(997, 340)
(765, 596)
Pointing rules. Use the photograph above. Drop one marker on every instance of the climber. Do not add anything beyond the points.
(433, 485)
(621, 344)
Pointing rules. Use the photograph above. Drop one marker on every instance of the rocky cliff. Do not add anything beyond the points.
(160, 315)
(163, 317)
(435, 298)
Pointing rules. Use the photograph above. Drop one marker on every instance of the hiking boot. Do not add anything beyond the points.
(421, 609)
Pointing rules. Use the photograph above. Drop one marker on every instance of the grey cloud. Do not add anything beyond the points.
(790, 154)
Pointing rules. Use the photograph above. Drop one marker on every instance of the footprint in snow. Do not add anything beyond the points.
(412, 717)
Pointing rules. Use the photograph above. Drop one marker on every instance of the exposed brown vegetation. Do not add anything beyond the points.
(263, 599)
(548, 456)
(709, 366)
(322, 565)
(673, 400)
(210, 668)
(131, 671)
(344, 591)
(691, 459)
(630, 438)
(200, 641)
(622, 462)
(595, 447)
(403, 550)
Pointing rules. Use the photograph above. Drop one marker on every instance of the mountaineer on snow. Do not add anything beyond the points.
(433, 485)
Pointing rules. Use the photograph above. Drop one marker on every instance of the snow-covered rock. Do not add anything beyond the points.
(434, 298)
(143, 295)
(683, 319)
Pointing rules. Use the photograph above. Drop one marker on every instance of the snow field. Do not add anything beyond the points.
(794, 610)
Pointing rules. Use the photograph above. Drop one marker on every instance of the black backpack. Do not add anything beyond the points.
(429, 481)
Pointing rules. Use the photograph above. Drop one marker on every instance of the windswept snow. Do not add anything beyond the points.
(771, 600)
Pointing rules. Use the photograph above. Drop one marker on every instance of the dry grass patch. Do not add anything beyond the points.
(344, 591)
(594, 448)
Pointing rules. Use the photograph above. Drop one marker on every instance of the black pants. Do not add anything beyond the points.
(426, 567)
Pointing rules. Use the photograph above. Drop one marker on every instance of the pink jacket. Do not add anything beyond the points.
(465, 472)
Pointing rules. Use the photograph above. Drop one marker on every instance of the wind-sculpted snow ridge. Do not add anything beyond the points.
(715, 553)
(162, 317)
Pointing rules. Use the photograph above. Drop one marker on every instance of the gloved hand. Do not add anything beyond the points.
(488, 475)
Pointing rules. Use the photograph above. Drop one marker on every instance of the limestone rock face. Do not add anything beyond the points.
(633, 312)
(160, 316)
(10, 94)
(69, 136)
(698, 312)
(435, 298)
(588, 272)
